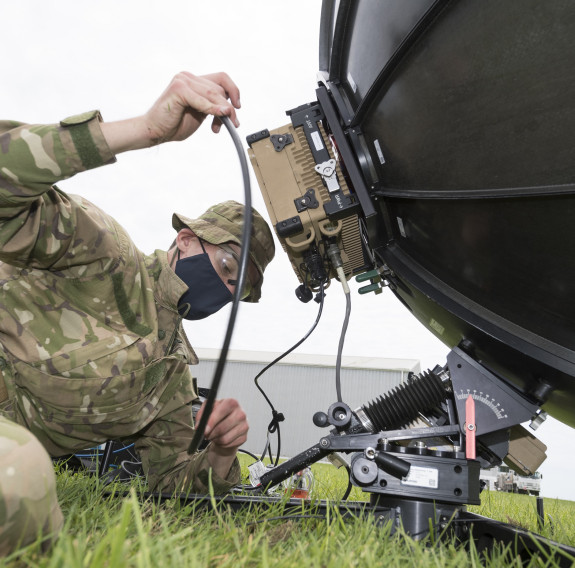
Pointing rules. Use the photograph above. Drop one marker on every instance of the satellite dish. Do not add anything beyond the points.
(461, 116)
(437, 160)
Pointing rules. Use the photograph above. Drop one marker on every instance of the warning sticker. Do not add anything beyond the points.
(422, 477)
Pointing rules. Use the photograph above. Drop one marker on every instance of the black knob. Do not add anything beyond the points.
(303, 293)
(320, 419)
(339, 414)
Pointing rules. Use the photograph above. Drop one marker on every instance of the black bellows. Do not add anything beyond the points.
(405, 402)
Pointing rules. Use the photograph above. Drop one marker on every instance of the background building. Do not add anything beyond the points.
(298, 386)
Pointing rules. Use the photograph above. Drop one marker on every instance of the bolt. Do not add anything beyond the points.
(383, 444)
(324, 443)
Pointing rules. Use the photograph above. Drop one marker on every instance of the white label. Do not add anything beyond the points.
(256, 470)
(351, 83)
(422, 477)
(401, 227)
(436, 326)
(379, 152)
(317, 141)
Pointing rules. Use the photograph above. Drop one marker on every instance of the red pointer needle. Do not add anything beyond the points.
(470, 428)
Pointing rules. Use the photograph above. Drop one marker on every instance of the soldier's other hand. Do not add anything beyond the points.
(227, 427)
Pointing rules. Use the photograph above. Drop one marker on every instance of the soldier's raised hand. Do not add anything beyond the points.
(178, 112)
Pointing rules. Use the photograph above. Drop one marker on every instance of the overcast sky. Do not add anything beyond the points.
(64, 57)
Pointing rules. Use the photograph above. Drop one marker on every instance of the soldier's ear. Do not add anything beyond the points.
(184, 239)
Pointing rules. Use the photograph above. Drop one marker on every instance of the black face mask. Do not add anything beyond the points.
(206, 292)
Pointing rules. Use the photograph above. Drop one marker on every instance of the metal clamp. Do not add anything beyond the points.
(327, 171)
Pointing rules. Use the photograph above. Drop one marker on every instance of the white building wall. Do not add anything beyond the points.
(298, 386)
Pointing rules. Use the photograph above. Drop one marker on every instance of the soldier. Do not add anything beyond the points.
(91, 343)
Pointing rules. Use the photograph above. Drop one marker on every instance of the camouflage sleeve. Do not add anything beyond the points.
(168, 465)
(40, 226)
(163, 445)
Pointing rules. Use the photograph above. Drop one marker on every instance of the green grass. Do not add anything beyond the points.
(106, 531)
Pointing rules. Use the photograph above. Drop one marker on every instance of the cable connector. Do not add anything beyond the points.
(334, 256)
(343, 279)
(314, 264)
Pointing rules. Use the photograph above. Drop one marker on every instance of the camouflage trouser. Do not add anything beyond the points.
(28, 503)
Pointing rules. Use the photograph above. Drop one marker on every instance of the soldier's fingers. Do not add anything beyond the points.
(200, 412)
(225, 416)
(209, 94)
(228, 86)
(232, 437)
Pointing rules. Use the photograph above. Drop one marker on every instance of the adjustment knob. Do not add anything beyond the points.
(320, 419)
(303, 293)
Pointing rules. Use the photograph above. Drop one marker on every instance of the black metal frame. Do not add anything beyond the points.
(464, 527)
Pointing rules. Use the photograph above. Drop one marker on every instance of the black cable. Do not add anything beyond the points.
(292, 348)
(248, 453)
(244, 487)
(244, 256)
(276, 416)
(349, 484)
(274, 426)
(270, 448)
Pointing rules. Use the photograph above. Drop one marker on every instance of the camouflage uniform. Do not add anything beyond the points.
(28, 502)
(92, 347)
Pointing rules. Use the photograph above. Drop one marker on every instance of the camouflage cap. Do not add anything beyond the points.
(223, 223)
